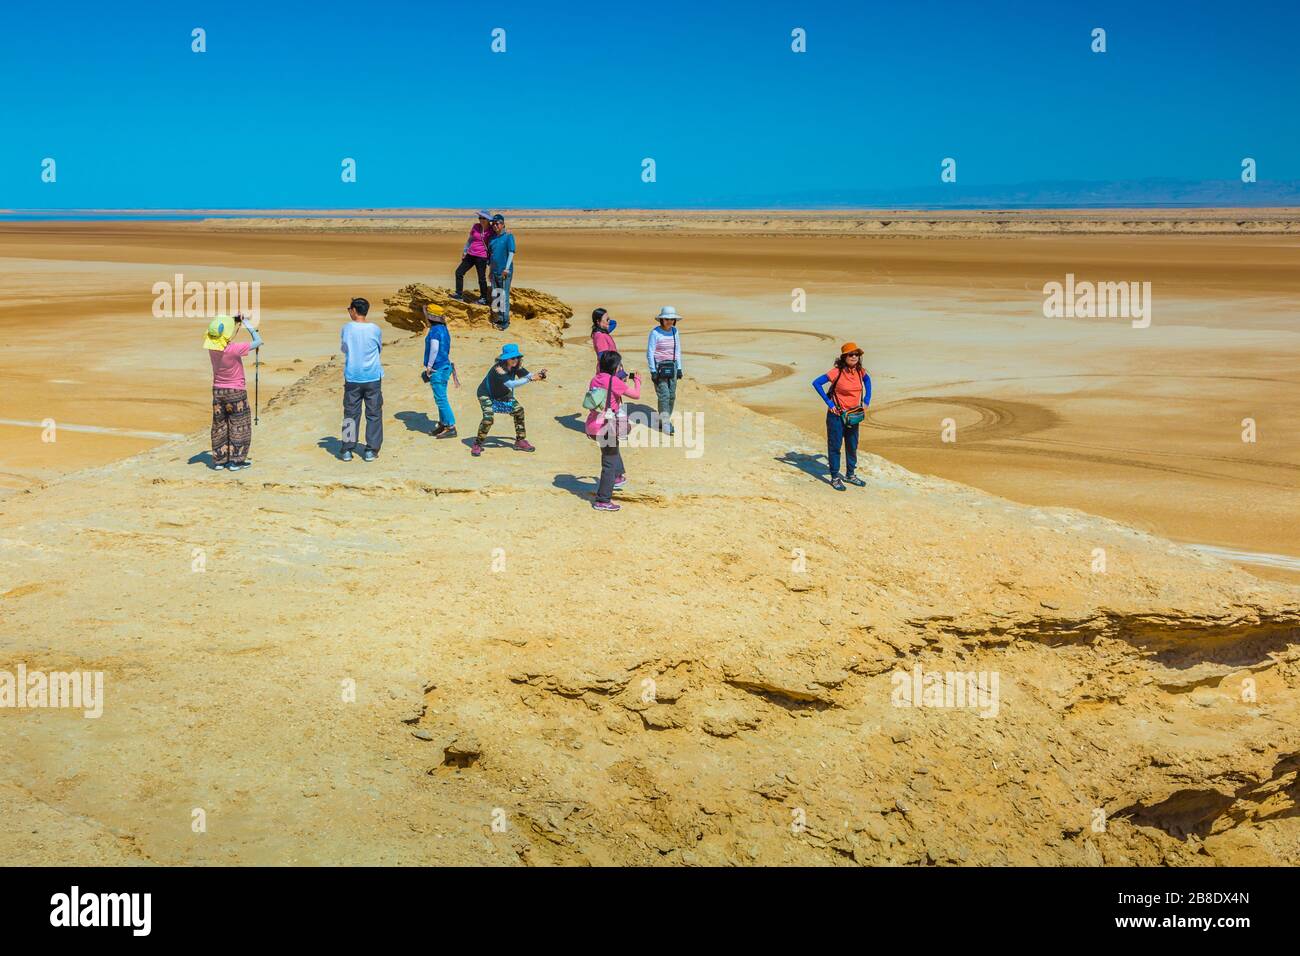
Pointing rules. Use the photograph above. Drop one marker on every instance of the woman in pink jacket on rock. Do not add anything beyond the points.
(475, 254)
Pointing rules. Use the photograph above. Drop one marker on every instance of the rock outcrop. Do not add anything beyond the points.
(543, 315)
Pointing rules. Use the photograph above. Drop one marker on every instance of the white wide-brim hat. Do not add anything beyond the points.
(668, 312)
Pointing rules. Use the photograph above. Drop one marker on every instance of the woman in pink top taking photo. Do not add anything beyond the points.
(606, 423)
(232, 420)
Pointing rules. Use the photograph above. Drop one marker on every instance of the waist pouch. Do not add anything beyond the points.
(665, 370)
(503, 406)
(853, 416)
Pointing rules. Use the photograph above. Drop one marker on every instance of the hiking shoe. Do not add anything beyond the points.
(524, 444)
(448, 432)
(666, 427)
(458, 296)
(438, 430)
(837, 482)
(855, 480)
(221, 467)
(476, 449)
(238, 466)
(620, 481)
(481, 300)
(605, 506)
(368, 455)
(347, 455)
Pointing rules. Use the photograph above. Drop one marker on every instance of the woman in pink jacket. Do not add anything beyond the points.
(602, 337)
(606, 423)
(475, 254)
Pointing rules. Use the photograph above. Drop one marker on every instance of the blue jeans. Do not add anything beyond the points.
(438, 380)
(502, 283)
(838, 433)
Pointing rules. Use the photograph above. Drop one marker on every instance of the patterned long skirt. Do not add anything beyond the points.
(232, 426)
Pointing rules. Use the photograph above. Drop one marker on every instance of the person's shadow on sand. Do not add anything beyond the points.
(331, 444)
(644, 412)
(576, 421)
(492, 441)
(583, 488)
(205, 458)
(814, 465)
(416, 422)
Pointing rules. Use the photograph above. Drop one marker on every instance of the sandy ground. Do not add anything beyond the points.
(440, 659)
(1143, 425)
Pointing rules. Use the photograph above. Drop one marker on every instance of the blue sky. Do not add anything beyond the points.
(585, 91)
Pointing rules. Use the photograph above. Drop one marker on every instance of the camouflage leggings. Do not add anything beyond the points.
(232, 426)
(516, 412)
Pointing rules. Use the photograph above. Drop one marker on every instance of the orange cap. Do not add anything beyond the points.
(848, 347)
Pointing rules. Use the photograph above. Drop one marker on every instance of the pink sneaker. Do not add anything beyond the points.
(524, 444)
(620, 481)
(604, 506)
(476, 449)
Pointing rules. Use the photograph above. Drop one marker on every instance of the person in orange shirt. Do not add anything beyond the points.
(846, 390)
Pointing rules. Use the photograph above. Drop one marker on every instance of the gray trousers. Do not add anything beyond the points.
(372, 394)
(666, 392)
(611, 466)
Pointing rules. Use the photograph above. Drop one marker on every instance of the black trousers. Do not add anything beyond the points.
(372, 394)
(479, 263)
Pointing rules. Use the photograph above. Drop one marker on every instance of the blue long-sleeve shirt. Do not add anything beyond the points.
(437, 347)
(819, 386)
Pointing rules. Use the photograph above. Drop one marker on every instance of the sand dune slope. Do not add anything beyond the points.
(704, 677)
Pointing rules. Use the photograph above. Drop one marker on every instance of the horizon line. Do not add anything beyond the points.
(517, 210)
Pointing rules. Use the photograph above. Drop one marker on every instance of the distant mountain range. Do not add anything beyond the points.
(1064, 194)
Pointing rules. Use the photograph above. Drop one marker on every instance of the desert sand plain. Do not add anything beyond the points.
(1142, 425)
(517, 693)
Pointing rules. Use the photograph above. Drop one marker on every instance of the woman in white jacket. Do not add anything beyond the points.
(663, 356)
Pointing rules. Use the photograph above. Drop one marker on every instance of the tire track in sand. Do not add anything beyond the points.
(1008, 421)
(775, 370)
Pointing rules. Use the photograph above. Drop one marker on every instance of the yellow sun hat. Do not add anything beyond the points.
(220, 331)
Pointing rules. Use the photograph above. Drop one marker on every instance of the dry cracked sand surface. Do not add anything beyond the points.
(708, 676)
